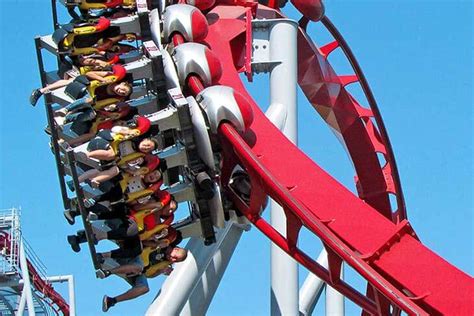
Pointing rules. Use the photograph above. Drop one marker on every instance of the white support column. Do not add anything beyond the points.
(26, 295)
(70, 283)
(72, 296)
(22, 303)
(201, 297)
(334, 300)
(312, 288)
(283, 83)
(179, 286)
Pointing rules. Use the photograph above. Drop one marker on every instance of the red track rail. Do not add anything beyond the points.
(361, 129)
(41, 285)
(397, 266)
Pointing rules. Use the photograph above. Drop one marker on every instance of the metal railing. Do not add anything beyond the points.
(9, 247)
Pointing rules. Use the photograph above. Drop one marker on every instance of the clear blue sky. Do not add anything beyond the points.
(417, 56)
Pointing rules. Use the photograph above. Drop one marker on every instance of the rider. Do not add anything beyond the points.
(171, 254)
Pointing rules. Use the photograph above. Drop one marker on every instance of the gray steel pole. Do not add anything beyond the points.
(334, 300)
(312, 288)
(283, 81)
(201, 297)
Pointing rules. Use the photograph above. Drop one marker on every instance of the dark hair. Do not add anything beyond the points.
(138, 139)
(163, 166)
(178, 239)
(128, 84)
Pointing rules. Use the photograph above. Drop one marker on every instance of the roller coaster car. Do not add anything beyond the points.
(119, 144)
(90, 38)
(100, 4)
(103, 120)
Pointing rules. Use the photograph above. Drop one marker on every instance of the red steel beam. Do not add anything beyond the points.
(386, 254)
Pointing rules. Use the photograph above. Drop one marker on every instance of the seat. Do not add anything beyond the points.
(66, 37)
(142, 194)
(104, 4)
(142, 126)
(153, 267)
(151, 162)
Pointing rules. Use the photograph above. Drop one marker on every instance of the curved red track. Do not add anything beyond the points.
(40, 285)
(399, 269)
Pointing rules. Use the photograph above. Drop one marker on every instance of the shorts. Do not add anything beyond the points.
(137, 280)
(98, 143)
(81, 121)
(135, 261)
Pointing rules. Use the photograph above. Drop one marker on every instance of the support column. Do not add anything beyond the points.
(201, 297)
(26, 295)
(283, 83)
(72, 296)
(334, 300)
(22, 303)
(312, 288)
(193, 273)
(71, 292)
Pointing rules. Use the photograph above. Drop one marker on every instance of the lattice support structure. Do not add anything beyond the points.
(23, 284)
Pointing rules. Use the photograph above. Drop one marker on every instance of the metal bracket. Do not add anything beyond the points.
(57, 152)
(402, 229)
(127, 25)
(261, 59)
(47, 43)
(151, 49)
(165, 119)
(140, 69)
(142, 6)
(158, 77)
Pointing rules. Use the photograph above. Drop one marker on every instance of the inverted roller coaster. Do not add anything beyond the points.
(187, 73)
